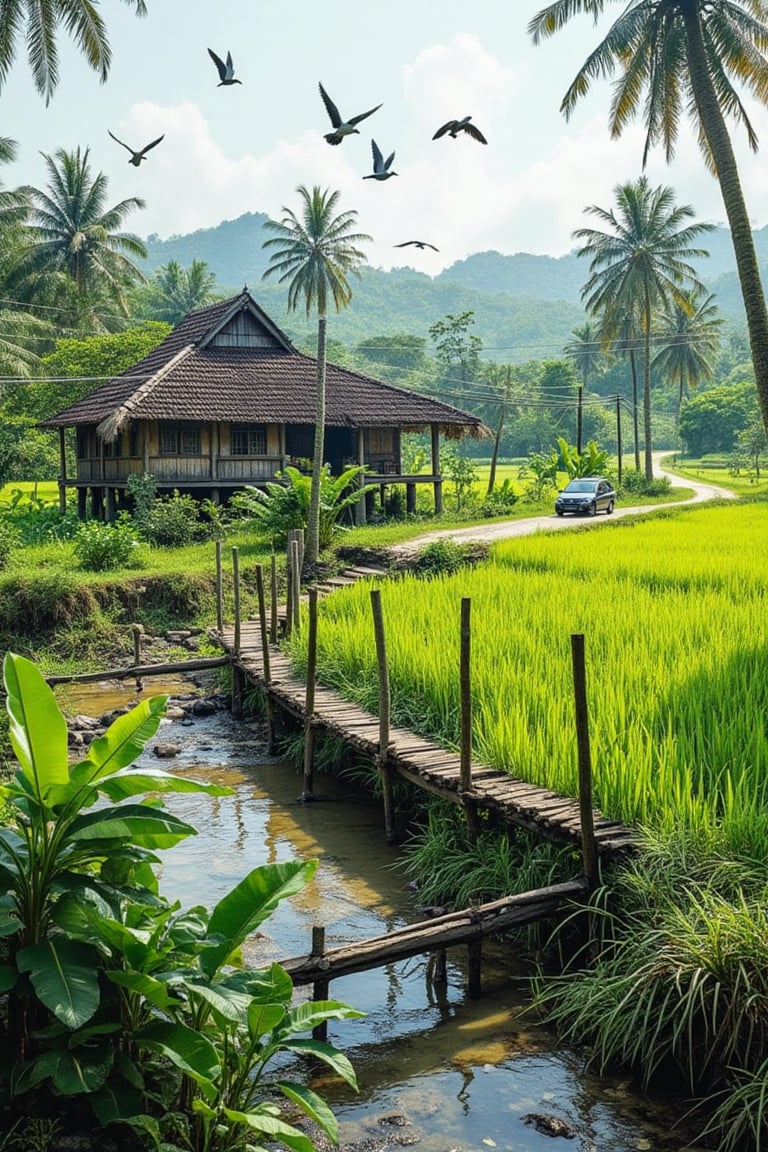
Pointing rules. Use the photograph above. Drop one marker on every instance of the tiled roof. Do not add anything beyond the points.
(180, 380)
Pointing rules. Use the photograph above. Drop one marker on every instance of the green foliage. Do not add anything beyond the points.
(712, 420)
(280, 507)
(142, 488)
(540, 470)
(461, 470)
(593, 461)
(634, 483)
(100, 547)
(173, 521)
(443, 556)
(500, 500)
(9, 539)
(39, 521)
(117, 995)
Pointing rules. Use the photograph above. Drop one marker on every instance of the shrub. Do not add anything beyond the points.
(143, 490)
(101, 547)
(634, 483)
(280, 507)
(500, 500)
(173, 522)
(9, 539)
(443, 556)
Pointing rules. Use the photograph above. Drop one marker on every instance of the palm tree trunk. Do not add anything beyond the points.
(313, 522)
(716, 133)
(647, 387)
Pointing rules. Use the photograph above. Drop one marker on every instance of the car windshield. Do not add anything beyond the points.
(581, 486)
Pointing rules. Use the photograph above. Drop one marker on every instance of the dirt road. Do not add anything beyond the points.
(504, 529)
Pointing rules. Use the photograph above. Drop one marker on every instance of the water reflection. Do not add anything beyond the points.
(459, 1073)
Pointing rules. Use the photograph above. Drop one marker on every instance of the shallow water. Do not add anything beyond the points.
(457, 1073)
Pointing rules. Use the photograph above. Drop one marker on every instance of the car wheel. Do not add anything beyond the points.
(592, 510)
(609, 509)
(559, 511)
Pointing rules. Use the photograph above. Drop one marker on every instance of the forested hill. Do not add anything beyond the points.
(525, 305)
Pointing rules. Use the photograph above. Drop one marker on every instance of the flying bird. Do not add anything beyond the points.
(342, 127)
(417, 244)
(380, 165)
(136, 157)
(226, 71)
(453, 127)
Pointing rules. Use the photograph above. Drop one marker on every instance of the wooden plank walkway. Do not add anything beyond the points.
(418, 759)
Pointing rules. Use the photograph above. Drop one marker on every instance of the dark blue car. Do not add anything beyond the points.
(586, 497)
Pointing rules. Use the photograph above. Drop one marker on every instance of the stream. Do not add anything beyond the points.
(434, 1067)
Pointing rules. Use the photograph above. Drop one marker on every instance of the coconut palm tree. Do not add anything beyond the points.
(73, 253)
(175, 291)
(690, 333)
(678, 56)
(315, 252)
(21, 334)
(39, 23)
(639, 260)
(584, 353)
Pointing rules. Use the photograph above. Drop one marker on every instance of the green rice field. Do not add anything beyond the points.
(673, 610)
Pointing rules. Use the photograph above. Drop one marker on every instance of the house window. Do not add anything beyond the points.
(81, 443)
(133, 441)
(180, 440)
(248, 439)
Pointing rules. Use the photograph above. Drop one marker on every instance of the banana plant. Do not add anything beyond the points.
(188, 999)
(592, 461)
(61, 845)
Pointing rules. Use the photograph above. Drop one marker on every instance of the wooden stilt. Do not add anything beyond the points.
(309, 703)
(588, 844)
(236, 588)
(385, 773)
(475, 969)
(238, 688)
(265, 657)
(320, 987)
(219, 590)
(296, 551)
(465, 694)
(137, 630)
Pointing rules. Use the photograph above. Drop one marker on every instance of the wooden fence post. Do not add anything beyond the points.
(385, 772)
(219, 590)
(588, 843)
(273, 600)
(236, 584)
(309, 703)
(265, 657)
(296, 551)
(320, 987)
(137, 630)
(465, 694)
(289, 585)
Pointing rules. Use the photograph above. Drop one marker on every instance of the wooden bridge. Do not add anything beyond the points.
(414, 758)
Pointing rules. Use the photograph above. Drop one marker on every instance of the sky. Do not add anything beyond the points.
(246, 148)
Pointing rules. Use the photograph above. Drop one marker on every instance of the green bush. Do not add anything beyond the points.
(174, 522)
(634, 483)
(500, 500)
(9, 539)
(102, 547)
(443, 556)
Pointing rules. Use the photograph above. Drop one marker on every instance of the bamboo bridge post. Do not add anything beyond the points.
(296, 552)
(238, 685)
(475, 969)
(289, 585)
(309, 704)
(465, 693)
(219, 590)
(265, 657)
(588, 843)
(320, 987)
(385, 772)
(236, 586)
(137, 631)
(273, 599)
